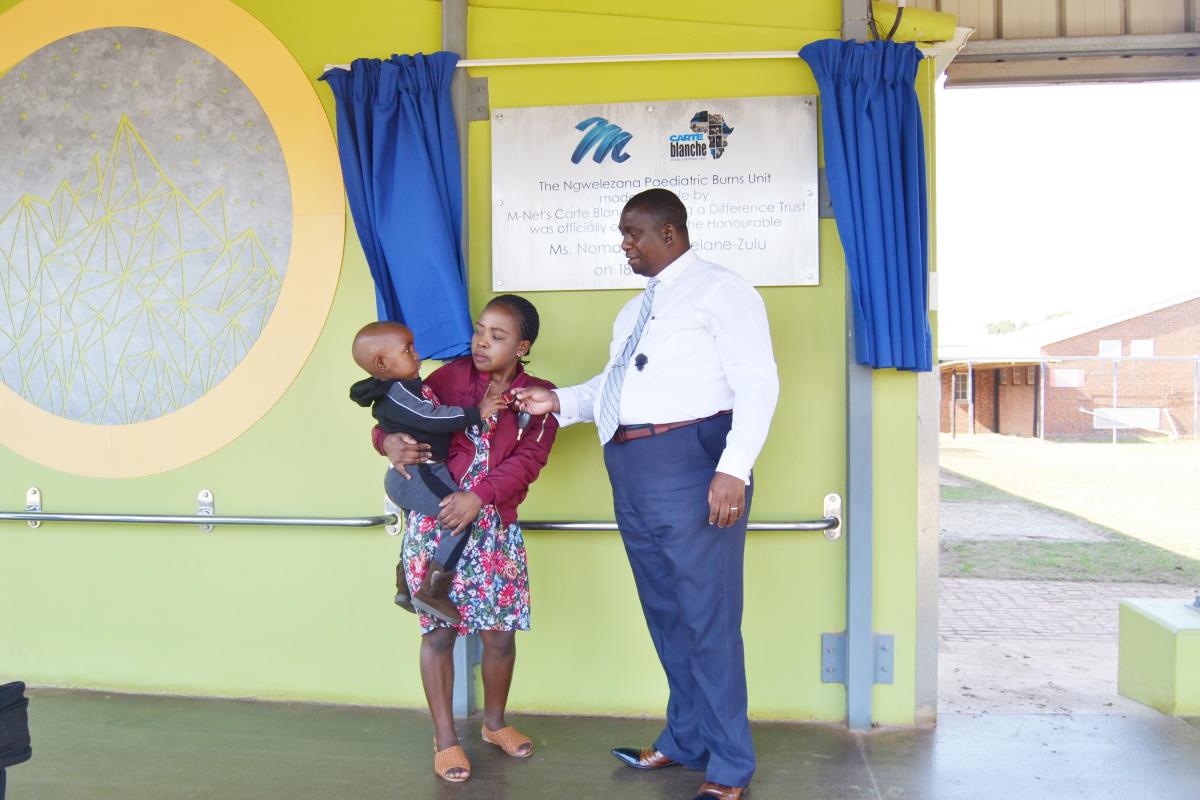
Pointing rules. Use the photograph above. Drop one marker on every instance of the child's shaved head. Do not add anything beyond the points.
(379, 345)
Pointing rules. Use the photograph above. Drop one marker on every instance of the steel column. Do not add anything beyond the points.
(1042, 402)
(1116, 366)
(860, 640)
(970, 398)
(860, 493)
(467, 653)
(454, 39)
(996, 400)
(953, 405)
(854, 19)
(1037, 399)
(1196, 400)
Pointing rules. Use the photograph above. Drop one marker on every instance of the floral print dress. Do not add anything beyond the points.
(491, 582)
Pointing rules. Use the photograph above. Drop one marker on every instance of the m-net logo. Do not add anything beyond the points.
(606, 138)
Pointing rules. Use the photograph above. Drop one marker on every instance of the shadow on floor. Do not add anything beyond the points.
(98, 746)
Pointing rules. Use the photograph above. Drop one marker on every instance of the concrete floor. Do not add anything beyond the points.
(96, 746)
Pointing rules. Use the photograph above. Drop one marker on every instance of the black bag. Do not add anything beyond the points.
(14, 725)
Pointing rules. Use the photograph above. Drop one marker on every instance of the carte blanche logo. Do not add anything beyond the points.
(607, 139)
(709, 137)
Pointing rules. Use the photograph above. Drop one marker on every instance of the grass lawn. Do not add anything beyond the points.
(977, 492)
(1150, 492)
(1120, 559)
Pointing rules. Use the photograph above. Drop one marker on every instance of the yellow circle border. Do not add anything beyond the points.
(290, 102)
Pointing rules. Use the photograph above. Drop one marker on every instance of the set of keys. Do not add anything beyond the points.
(523, 417)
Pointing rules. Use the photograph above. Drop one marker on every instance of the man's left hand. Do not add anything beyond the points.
(726, 500)
(459, 510)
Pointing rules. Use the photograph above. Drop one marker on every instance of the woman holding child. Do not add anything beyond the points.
(494, 465)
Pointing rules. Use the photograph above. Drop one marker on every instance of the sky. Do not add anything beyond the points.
(1055, 199)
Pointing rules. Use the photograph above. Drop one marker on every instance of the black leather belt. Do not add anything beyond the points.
(627, 433)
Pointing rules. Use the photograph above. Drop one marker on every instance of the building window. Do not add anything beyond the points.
(1142, 348)
(1030, 375)
(1003, 376)
(1110, 348)
(960, 387)
(1066, 378)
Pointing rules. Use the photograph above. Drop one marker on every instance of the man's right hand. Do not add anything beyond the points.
(403, 450)
(537, 400)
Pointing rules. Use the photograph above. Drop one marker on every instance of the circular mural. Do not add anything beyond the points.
(145, 224)
(171, 227)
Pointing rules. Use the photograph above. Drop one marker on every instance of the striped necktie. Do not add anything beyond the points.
(610, 396)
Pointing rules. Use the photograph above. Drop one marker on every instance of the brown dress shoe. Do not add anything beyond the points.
(646, 758)
(709, 790)
(433, 595)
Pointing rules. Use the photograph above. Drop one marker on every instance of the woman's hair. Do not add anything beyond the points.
(524, 311)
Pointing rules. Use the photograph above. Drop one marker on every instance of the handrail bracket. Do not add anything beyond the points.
(33, 504)
(832, 509)
(205, 507)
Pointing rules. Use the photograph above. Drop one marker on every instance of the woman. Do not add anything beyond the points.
(490, 587)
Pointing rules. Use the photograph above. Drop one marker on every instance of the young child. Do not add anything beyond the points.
(401, 403)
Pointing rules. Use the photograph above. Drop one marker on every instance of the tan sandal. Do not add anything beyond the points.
(510, 740)
(448, 759)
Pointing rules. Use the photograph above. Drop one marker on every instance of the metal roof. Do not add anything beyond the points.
(1070, 41)
(1027, 343)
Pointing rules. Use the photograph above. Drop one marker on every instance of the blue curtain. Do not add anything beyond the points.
(875, 164)
(399, 153)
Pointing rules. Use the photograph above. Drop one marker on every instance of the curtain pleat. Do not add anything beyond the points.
(875, 165)
(399, 152)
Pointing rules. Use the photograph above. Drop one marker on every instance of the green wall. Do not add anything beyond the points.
(307, 614)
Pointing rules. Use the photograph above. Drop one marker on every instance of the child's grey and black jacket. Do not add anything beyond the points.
(400, 407)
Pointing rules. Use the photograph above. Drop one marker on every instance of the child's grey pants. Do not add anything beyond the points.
(429, 485)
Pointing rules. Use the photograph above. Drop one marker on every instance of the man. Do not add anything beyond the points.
(682, 409)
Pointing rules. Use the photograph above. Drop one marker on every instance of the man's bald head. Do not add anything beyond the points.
(663, 206)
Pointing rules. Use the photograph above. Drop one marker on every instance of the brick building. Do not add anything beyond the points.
(1133, 374)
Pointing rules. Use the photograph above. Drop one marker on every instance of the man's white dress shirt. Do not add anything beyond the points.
(706, 348)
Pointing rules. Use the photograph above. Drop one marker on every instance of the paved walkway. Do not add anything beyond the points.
(1023, 646)
(1034, 647)
(1001, 521)
(993, 610)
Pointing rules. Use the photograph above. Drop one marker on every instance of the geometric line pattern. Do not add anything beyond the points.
(121, 298)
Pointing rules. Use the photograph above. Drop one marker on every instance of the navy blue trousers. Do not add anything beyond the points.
(689, 580)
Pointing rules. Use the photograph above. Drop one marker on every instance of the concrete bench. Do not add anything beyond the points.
(1159, 661)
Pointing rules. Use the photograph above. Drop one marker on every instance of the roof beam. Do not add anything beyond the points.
(1111, 69)
(1164, 44)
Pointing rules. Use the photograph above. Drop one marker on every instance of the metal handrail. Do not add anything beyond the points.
(830, 523)
(823, 524)
(186, 519)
